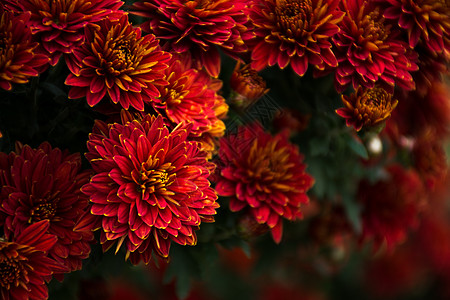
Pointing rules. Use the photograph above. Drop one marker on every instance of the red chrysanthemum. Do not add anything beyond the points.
(24, 264)
(265, 175)
(150, 188)
(197, 27)
(391, 275)
(191, 96)
(425, 20)
(296, 32)
(429, 159)
(417, 115)
(18, 60)
(391, 207)
(370, 51)
(59, 24)
(44, 184)
(367, 107)
(432, 68)
(117, 62)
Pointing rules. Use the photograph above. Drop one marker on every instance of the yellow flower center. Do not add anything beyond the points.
(43, 210)
(10, 271)
(269, 167)
(374, 106)
(155, 180)
(293, 15)
(373, 27)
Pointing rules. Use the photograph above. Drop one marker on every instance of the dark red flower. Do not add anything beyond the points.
(432, 68)
(367, 107)
(44, 184)
(18, 58)
(150, 188)
(425, 20)
(429, 159)
(197, 27)
(24, 265)
(294, 32)
(59, 25)
(265, 175)
(420, 114)
(192, 96)
(392, 275)
(117, 62)
(391, 207)
(370, 51)
(292, 120)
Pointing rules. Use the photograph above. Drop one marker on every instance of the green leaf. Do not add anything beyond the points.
(316, 169)
(319, 146)
(358, 147)
(182, 269)
(353, 210)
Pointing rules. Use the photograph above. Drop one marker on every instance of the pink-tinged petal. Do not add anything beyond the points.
(277, 232)
(273, 219)
(226, 188)
(162, 245)
(94, 99)
(34, 235)
(328, 57)
(237, 205)
(392, 12)
(77, 81)
(283, 60)
(299, 65)
(211, 61)
(123, 213)
(143, 231)
(261, 214)
(97, 85)
(414, 36)
(124, 164)
(77, 92)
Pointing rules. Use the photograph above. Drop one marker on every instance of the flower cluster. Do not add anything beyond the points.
(19, 59)
(265, 175)
(41, 186)
(323, 122)
(150, 185)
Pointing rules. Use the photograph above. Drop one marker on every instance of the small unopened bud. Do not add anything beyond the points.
(247, 84)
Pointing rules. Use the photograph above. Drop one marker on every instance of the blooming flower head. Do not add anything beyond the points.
(391, 207)
(44, 184)
(391, 275)
(264, 174)
(420, 114)
(197, 27)
(429, 159)
(425, 20)
(117, 62)
(370, 51)
(25, 266)
(59, 24)
(18, 59)
(367, 107)
(248, 85)
(296, 32)
(150, 186)
(191, 96)
(432, 68)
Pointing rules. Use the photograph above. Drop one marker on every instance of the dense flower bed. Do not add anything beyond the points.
(298, 146)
